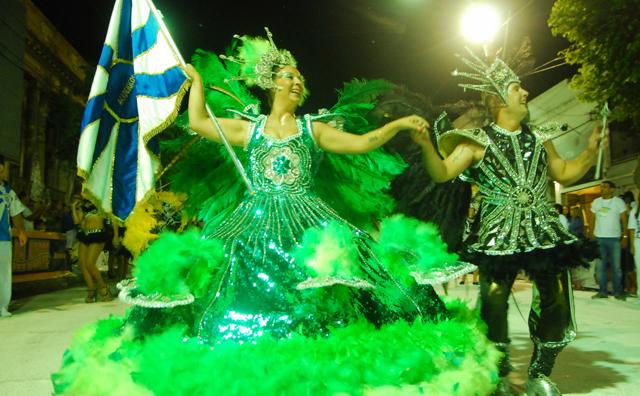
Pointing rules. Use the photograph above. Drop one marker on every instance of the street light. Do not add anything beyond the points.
(480, 22)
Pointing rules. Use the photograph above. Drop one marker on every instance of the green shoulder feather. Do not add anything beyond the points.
(357, 186)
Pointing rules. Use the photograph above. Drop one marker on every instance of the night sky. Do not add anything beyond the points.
(410, 42)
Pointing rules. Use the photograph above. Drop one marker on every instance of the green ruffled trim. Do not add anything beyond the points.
(448, 358)
(409, 245)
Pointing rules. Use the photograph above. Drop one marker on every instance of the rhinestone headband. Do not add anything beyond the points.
(258, 59)
(493, 79)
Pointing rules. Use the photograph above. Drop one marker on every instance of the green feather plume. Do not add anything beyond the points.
(205, 171)
(357, 186)
(251, 49)
(329, 251)
(178, 264)
(209, 178)
(361, 92)
(230, 93)
(96, 363)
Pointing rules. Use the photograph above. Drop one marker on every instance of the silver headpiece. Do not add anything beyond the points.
(494, 79)
(258, 59)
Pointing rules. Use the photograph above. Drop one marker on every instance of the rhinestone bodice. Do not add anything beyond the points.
(515, 213)
(282, 165)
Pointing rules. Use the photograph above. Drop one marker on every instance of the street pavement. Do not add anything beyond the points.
(604, 360)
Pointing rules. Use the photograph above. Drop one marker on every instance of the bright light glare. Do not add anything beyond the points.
(480, 23)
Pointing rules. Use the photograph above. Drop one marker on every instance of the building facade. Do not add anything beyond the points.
(48, 79)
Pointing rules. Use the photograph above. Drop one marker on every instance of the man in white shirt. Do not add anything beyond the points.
(10, 206)
(610, 216)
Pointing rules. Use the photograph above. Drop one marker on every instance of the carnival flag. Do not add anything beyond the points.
(135, 95)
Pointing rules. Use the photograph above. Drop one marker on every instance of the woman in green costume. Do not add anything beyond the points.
(259, 290)
(302, 302)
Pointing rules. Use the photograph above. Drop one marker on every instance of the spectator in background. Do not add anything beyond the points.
(119, 256)
(634, 243)
(576, 223)
(626, 257)
(54, 218)
(563, 219)
(10, 207)
(44, 215)
(92, 236)
(38, 209)
(609, 221)
(69, 229)
(628, 199)
(27, 213)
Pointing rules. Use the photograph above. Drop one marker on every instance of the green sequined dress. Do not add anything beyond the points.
(263, 290)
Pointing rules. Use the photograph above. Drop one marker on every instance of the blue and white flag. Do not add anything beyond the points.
(135, 95)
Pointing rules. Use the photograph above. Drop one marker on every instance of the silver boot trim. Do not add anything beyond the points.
(541, 386)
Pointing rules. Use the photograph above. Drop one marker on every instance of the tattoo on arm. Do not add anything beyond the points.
(374, 138)
(458, 156)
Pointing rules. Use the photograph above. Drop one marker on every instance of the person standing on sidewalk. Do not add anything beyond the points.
(610, 219)
(10, 206)
(634, 243)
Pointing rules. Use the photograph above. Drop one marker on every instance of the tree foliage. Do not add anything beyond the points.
(604, 39)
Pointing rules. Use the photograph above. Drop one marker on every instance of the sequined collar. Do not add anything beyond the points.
(503, 131)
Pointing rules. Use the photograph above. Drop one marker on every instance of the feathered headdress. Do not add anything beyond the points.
(259, 58)
(493, 79)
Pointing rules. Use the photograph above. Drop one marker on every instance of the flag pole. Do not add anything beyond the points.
(603, 113)
(214, 119)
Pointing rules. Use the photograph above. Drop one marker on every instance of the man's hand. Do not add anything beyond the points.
(412, 123)
(421, 137)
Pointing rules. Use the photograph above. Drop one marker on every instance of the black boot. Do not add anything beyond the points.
(504, 387)
(542, 362)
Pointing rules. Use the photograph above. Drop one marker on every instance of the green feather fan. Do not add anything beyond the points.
(222, 91)
(357, 186)
(208, 177)
(205, 171)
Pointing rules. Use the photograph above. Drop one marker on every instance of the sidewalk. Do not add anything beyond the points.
(603, 361)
